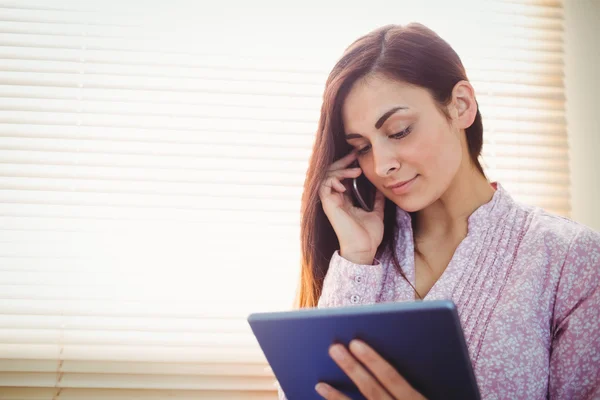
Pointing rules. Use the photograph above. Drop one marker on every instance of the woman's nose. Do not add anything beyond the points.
(385, 161)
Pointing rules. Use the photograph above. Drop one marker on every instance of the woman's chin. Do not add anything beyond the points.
(412, 202)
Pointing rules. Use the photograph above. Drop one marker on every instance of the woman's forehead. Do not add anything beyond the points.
(370, 98)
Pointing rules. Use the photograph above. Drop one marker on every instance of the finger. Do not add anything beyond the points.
(365, 382)
(346, 173)
(330, 184)
(329, 393)
(334, 180)
(344, 161)
(385, 373)
(338, 185)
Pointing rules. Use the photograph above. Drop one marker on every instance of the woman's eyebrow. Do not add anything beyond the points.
(388, 114)
(379, 122)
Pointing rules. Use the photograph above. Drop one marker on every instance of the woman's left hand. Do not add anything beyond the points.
(375, 378)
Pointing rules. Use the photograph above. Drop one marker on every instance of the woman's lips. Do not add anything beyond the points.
(403, 187)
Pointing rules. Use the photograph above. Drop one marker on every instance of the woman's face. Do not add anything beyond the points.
(401, 137)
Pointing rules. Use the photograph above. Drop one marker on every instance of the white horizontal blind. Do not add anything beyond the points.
(151, 162)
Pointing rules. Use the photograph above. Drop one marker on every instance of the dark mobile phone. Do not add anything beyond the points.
(363, 192)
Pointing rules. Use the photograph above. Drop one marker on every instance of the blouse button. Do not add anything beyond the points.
(355, 299)
(358, 279)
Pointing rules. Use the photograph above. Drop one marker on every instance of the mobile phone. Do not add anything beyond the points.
(363, 192)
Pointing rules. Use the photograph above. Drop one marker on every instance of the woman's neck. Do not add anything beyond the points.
(449, 214)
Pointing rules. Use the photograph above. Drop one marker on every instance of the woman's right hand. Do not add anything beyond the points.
(359, 232)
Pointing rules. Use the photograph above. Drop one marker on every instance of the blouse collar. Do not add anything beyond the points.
(479, 219)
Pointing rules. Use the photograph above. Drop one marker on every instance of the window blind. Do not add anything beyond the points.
(152, 156)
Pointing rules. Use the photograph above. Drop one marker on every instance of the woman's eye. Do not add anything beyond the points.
(402, 134)
(398, 135)
(364, 150)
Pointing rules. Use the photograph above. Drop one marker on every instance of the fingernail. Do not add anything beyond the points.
(321, 388)
(337, 352)
(358, 347)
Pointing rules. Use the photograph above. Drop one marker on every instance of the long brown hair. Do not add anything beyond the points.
(413, 54)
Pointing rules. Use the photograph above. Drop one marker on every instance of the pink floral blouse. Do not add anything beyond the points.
(525, 284)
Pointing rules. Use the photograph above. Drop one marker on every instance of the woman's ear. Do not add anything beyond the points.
(465, 106)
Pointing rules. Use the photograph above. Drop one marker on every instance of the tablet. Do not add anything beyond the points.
(423, 340)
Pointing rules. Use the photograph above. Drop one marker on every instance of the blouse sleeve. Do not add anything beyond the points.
(349, 284)
(280, 392)
(575, 352)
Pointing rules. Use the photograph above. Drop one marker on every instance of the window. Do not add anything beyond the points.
(152, 156)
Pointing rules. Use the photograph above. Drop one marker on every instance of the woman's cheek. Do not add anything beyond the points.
(447, 161)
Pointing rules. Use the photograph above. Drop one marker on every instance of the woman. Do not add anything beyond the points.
(525, 282)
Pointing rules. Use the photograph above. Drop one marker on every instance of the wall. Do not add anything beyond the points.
(582, 80)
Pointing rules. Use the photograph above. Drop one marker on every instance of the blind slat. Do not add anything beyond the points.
(128, 323)
(166, 149)
(213, 190)
(152, 43)
(491, 62)
(20, 393)
(160, 201)
(280, 103)
(124, 367)
(132, 381)
(93, 338)
(52, 224)
(56, 71)
(497, 137)
(82, 109)
(138, 354)
(115, 308)
(11, 78)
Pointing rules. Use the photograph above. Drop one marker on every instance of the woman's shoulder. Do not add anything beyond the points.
(569, 252)
(537, 223)
(557, 230)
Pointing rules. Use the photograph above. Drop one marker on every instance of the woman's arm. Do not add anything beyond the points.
(349, 284)
(575, 352)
